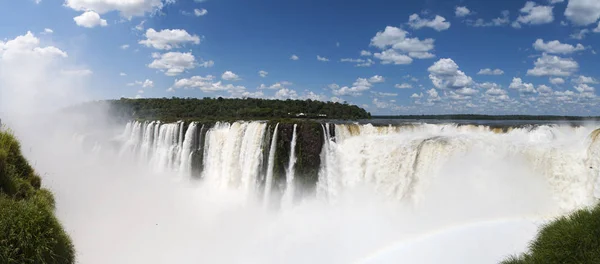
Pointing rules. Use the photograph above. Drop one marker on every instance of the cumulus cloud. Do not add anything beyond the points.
(27, 45)
(488, 71)
(534, 14)
(365, 53)
(584, 79)
(48, 31)
(462, 11)
(583, 12)
(230, 76)
(127, 9)
(90, 19)
(392, 57)
(556, 47)
(544, 89)
(319, 58)
(125, 46)
(519, 85)
(263, 74)
(173, 63)
(286, 93)
(445, 74)
(557, 81)
(200, 12)
(439, 23)
(377, 79)
(548, 65)
(359, 62)
(403, 86)
(207, 84)
(496, 22)
(294, 57)
(275, 86)
(358, 87)
(168, 38)
(398, 48)
(580, 34)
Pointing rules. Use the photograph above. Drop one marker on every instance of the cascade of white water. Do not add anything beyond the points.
(401, 161)
(288, 197)
(233, 153)
(166, 149)
(185, 165)
(270, 166)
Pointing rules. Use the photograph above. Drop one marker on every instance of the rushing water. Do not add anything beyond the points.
(473, 193)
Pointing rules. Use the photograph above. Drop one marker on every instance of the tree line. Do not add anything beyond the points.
(225, 109)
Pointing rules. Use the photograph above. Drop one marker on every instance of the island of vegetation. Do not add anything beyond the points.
(222, 109)
(569, 239)
(30, 233)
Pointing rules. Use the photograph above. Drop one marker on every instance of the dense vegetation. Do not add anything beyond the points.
(29, 231)
(492, 117)
(222, 109)
(569, 239)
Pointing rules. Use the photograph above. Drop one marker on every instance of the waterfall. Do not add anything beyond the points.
(233, 153)
(185, 167)
(288, 197)
(270, 166)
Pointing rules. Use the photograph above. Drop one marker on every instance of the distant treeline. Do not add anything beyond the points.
(227, 109)
(491, 117)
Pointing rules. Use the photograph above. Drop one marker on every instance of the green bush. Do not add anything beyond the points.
(569, 239)
(30, 233)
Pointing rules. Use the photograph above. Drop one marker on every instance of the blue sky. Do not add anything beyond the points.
(417, 56)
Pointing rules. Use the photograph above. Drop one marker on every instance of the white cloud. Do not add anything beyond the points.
(544, 89)
(433, 95)
(534, 14)
(90, 19)
(122, 74)
(522, 87)
(125, 46)
(78, 73)
(557, 81)
(319, 58)
(585, 79)
(548, 65)
(365, 53)
(583, 12)
(127, 8)
(173, 63)
(200, 12)
(263, 74)
(140, 26)
(391, 56)
(294, 57)
(439, 23)
(403, 86)
(585, 89)
(382, 94)
(462, 11)
(168, 38)
(444, 74)
(496, 22)
(207, 64)
(206, 84)
(488, 71)
(359, 62)
(27, 45)
(416, 96)
(555, 1)
(377, 79)
(148, 84)
(275, 86)
(358, 87)
(556, 47)
(396, 39)
(48, 31)
(286, 93)
(230, 76)
(580, 34)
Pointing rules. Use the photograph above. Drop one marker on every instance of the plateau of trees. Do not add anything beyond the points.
(30, 233)
(227, 109)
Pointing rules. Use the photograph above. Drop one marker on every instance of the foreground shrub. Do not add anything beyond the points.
(569, 239)
(29, 233)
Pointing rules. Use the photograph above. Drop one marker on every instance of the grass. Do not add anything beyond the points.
(569, 239)
(29, 231)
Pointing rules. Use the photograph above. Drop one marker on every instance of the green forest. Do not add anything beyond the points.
(30, 233)
(226, 109)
